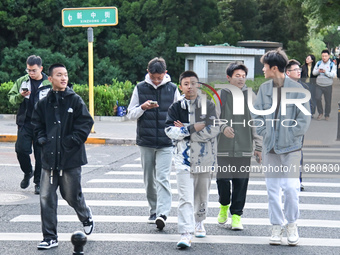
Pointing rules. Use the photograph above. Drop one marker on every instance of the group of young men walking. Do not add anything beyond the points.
(185, 129)
(201, 144)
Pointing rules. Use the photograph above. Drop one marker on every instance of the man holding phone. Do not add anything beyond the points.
(26, 91)
(325, 70)
(149, 105)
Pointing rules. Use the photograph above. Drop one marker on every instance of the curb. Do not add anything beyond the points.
(90, 140)
(8, 138)
(96, 118)
(112, 141)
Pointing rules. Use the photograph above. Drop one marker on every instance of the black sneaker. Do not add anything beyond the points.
(26, 181)
(160, 222)
(37, 189)
(302, 188)
(152, 219)
(88, 224)
(47, 244)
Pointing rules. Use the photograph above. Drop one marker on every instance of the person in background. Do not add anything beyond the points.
(25, 93)
(194, 136)
(338, 66)
(309, 78)
(325, 70)
(293, 71)
(149, 105)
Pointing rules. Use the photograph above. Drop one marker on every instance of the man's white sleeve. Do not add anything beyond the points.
(134, 109)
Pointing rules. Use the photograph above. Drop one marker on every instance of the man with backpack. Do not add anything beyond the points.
(325, 70)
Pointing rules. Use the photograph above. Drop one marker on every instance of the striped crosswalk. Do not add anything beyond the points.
(122, 188)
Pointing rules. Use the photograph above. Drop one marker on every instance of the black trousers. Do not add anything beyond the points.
(23, 148)
(327, 93)
(232, 186)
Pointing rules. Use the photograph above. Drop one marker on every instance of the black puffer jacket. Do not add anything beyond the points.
(62, 125)
(150, 126)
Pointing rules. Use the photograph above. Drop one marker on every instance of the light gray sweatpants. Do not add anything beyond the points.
(287, 181)
(193, 193)
(156, 165)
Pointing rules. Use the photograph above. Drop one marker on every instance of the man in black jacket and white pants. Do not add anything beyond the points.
(62, 125)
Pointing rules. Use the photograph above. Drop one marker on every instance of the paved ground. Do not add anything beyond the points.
(113, 186)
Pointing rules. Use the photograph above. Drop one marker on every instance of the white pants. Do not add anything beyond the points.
(193, 193)
(156, 164)
(286, 182)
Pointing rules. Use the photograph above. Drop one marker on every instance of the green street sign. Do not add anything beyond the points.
(89, 17)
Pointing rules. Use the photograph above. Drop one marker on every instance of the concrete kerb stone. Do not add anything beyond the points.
(90, 140)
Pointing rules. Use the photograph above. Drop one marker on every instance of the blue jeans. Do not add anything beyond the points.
(156, 164)
(70, 189)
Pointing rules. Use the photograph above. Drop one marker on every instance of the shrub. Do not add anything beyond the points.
(105, 97)
(256, 83)
(5, 106)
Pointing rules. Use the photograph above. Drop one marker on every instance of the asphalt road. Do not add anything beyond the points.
(112, 183)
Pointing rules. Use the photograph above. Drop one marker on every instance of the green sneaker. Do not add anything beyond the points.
(236, 222)
(223, 214)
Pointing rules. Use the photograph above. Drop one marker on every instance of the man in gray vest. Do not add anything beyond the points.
(149, 104)
(325, 69)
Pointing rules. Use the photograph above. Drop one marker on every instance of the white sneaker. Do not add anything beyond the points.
(185, 241)
(199, 229)
(276, 236)
(292, 234)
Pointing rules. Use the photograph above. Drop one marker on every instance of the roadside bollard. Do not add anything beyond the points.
(338, 135)
(78, 240)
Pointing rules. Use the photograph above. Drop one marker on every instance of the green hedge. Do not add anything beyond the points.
(105, 97)
(5, 106)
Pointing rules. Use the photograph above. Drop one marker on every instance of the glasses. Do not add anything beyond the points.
(296, 70)
(156, 77)
(31, 71)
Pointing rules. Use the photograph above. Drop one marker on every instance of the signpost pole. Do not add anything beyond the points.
(90, 17)
(90, 53)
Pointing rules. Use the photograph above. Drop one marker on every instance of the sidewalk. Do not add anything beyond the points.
(119, 130)
(107, 130)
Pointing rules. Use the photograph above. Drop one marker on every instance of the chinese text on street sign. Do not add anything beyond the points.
(90, 17)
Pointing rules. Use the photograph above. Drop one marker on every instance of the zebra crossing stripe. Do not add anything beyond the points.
(209, 220)
(216, 239)
(306, 184)
(174, 204)
(212, 192)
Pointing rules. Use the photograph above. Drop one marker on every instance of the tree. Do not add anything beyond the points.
(326, 12)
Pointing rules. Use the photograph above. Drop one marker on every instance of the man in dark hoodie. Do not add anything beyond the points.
(62, 125)
(26, 91)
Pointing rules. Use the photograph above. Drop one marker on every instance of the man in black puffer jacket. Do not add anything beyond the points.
(149, 104)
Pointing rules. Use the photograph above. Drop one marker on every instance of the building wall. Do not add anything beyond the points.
(218, 64)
